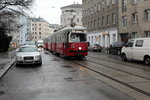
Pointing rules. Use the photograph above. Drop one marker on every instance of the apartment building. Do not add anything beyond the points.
(40, 29)
(71, 13)
(134, 19)
(100, 19)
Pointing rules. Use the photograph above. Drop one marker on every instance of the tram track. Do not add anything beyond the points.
(128, 85)
(121, 70)
(147, 68)
(113, 79)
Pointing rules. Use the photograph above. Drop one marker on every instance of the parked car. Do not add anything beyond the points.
(137, 49)
(28, 54)
(115, 48)
(95, 47)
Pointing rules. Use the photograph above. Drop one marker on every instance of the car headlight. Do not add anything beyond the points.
(37, 57)
(19, 58)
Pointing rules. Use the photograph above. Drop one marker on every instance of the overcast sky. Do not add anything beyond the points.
(50, 9)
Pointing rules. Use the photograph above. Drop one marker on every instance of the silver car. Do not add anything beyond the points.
(28, 55)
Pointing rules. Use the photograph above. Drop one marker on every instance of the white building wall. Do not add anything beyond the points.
(103, 39)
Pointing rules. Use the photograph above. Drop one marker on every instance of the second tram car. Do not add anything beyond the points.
(69, 42)
(45, 42)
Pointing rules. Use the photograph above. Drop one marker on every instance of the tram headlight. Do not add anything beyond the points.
(80, 48)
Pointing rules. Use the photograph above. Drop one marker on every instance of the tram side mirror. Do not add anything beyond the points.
(88, 43)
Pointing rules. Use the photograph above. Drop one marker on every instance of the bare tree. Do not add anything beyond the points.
(9, 10)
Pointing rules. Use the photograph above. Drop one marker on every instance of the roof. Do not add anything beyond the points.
(73, 6)
(38, 20)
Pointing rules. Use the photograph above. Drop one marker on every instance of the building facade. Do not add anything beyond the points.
(100, 19)
(71, 13)
(134, 19)
(40, 29)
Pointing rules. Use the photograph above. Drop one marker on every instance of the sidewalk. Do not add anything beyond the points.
(6, 61)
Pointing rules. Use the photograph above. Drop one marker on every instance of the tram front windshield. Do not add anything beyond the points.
(78, 37)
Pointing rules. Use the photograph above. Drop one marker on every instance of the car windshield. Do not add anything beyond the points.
(96, 45)
(77, 37)
(28, 49)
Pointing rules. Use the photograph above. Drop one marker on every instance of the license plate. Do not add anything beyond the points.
(28, 60)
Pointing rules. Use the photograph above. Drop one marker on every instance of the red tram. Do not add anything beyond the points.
(45, 42)
(69, 42)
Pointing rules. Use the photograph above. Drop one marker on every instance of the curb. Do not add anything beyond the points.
(6, 68)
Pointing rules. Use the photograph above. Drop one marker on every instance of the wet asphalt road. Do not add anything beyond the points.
(56, 79)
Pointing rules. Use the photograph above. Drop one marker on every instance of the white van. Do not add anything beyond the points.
(137, 49)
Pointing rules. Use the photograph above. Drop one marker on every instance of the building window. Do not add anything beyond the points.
(99, 7)
(35, 33)
(95, 21)
(124, 5)
(39, 33)
(134, 34)
(147, 14)
(39, 37)
(103, 21)
(147, 34)
(114, 18)
(135, 1)
(99, 22)
(39, 24)
(114, 2)
(124, 21)
(134, 18)
(103, 4)
(108, 3)
(39, 28)
(91, 24)
(107, 19)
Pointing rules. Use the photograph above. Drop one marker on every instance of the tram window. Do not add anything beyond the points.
(78, 38)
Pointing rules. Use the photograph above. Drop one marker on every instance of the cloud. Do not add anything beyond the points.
(50, 9)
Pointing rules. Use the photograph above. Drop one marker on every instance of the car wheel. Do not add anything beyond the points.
(17, 64)
(147, 60)
(124, 58)
(108, 51)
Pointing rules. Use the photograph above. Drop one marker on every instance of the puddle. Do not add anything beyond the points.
(46, 53)
(69, 79)
(1, 67)
(73, 71)
(2, 92)
(55, 60)
(67, 66)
